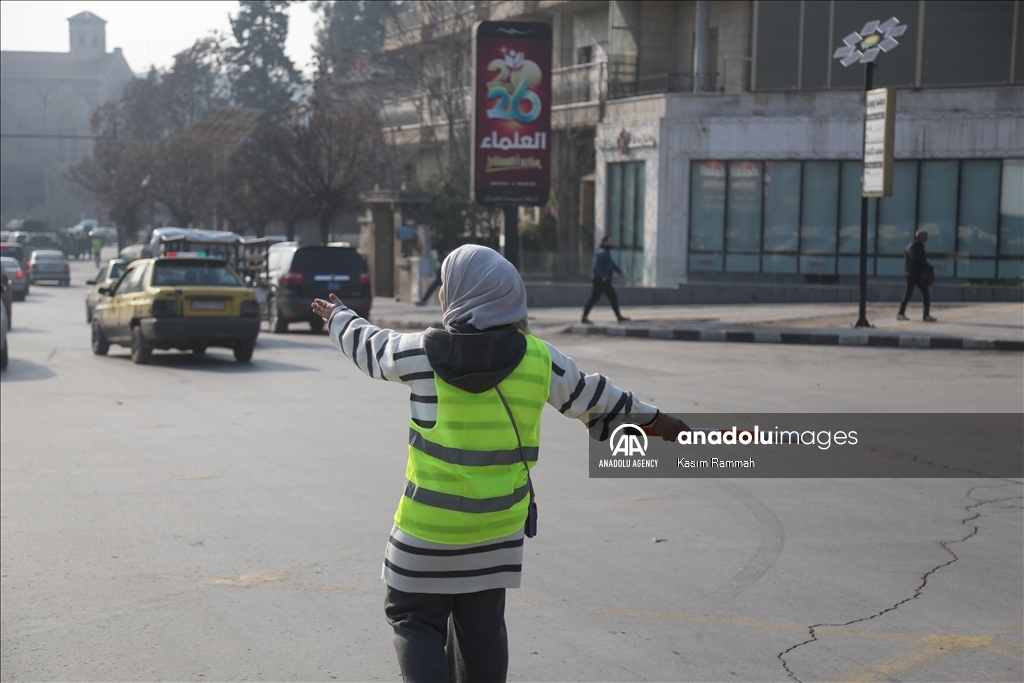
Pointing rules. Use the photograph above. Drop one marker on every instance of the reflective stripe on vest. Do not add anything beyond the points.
(466, 480)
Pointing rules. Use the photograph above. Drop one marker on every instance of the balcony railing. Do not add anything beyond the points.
(579, 84)
(405, 111)
(621, 86)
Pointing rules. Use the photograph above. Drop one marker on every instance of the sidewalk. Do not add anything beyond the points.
(973, 326)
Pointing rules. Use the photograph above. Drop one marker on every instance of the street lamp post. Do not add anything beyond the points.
(864, 47)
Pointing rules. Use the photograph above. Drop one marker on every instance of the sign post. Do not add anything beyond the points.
(879, 131)
(511, 125)
(879, 128)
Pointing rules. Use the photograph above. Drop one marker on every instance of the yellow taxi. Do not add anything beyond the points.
(184, 302)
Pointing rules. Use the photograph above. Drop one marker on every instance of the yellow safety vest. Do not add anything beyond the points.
(466, 482)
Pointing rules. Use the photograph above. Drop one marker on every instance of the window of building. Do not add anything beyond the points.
(707, 215)
(979, 217)
(819, 213)
(803, 217)
(849, 221)
(967, 44)
(743, 217)
(781, 216)
(625, 215)
(897, 219)
(963, 44)
(1011, 220)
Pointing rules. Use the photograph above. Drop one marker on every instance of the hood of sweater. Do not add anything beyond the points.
(474, 360)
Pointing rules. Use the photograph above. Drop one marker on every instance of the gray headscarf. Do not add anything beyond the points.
(482, 289)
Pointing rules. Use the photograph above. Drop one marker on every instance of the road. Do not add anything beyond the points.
(199, 519)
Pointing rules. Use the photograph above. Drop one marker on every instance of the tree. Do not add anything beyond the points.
(349, 30)
(182, 177)
(327, 151)
(117, 175)
(263, 75)
(195, 84)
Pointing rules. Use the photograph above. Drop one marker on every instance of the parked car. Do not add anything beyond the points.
(108, 274)
(19, 281)
(3, 337)
(177, 303)
(299, 274)
(6, 296)
(49, 264)
(19, 252)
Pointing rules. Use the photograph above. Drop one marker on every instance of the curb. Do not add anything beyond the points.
(904, 341)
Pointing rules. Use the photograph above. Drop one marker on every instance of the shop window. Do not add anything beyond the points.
(849, 212)
(782, 208)
(625, 224)
(707, 206)
(818, 217)
(1011, 209)
(1011, 221)
(897, 215)
(743, 216)
(936, 212)
(979, 215)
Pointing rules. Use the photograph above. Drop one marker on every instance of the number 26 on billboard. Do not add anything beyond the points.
(527, 73)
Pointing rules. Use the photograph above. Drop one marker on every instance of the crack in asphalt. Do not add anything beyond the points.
(920, 588)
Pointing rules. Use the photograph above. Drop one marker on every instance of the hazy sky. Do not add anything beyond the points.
(148, 32)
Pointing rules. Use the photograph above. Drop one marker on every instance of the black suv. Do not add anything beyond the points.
(299, 274)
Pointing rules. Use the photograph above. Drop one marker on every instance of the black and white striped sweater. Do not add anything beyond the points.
(417, 566)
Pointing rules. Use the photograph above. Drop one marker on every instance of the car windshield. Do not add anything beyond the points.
(10, 263)
(177, 273)
(116, 269)
(48, 256)
(327, 260)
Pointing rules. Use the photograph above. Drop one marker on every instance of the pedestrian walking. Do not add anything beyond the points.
(477, 388)
(436, 283)
(97, 247)
(919, 273)
(602, 269)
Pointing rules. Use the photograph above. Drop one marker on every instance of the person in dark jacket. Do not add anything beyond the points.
(602, 269)
(914, 264)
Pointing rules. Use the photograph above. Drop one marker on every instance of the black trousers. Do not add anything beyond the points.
(602, 286)
(912, 281)
(449, 638)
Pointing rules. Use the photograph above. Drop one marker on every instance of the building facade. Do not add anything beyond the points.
(727, 140)
(46, 99)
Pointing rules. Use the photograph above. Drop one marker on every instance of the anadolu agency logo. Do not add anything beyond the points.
(628, 445)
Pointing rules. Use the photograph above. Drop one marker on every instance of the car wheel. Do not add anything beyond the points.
(142, 352)
(88, 314)
(3, 358)
(316, 324)
(100, 345)
(199, 350)
(20, 297)
(277, 323)
(243, 351)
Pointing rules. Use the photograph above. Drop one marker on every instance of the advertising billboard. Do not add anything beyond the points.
(511, 159)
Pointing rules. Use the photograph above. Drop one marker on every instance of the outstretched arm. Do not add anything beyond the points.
(601, 405)
(378, 353)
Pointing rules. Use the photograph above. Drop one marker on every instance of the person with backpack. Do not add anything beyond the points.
(919, 273)
(477, 388)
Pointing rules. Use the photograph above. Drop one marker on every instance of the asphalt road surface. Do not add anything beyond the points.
(199, 519)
